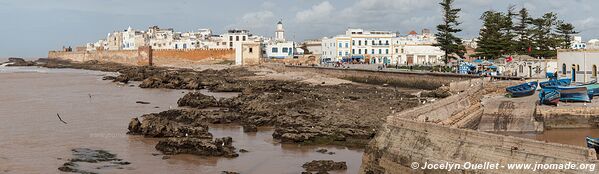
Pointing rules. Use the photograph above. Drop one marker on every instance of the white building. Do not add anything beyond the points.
(279, 47)
(577, 43)
(381, 47)
(580, 65)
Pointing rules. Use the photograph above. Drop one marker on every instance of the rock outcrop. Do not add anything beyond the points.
(324, 165)
(204, 147)
(197, 100)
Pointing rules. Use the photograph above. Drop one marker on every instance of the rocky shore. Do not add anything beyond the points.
(307, 113)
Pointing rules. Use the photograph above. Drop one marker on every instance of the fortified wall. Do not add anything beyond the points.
(416, 80)
(445, 132)
(149, 56)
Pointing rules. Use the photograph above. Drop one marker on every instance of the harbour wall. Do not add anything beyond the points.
(569, 116)
(445, 131)
(417, 80)
(149, 56)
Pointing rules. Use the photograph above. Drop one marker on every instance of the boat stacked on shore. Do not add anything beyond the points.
(556, 90)
(525, 89)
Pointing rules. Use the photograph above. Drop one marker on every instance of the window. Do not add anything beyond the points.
(386, 51)
(353, 51)
(236, 38)
(380, 42)
(346, 44)
(359, 51)
(340, 45)
(396, 50)
(275, 50)
(353, 42)
(359, 42)
(365, 42)
(251, 50)
(340, 53)
(346, 53)
(595, 71)
(373, 43)
(372, 51)
(184, 46)
(243, 38)
(230, 38)
(387, 42)
(564, 69)
(380, 51)
(285, 49)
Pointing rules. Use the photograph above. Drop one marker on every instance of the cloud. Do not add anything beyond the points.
(316, 13)
(256, 20)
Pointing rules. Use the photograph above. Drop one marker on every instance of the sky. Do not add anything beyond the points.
(29, 28)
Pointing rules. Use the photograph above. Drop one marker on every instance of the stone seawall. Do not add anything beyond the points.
(147, 56)
(443, 132)
(569, 116)
(130, 57)
(417, 80)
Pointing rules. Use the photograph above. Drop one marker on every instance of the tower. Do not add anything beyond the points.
(280, 32)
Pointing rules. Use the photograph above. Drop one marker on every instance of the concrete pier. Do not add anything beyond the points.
(503, 114)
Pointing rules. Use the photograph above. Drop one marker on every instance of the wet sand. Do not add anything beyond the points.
(34, 139)
(563, 136)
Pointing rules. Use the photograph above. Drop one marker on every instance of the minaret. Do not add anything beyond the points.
(280, 32)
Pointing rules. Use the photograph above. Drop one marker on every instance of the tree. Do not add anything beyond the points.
(495, 37)
(565, 32)
(523, 33)
(446, 40)
(545, 42)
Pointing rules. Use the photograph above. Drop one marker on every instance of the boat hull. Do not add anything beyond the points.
(574, 94)
(549, 97)
(555, 83)
(525, 89)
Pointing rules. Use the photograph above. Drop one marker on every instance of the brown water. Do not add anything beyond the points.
(563, 136)
(33, 140)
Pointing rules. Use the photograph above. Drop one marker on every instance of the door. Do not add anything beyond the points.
(573, 74)
(410, 59)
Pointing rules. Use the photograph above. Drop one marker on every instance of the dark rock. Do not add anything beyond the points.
(134, 127)
(197, 100)
(166, 157)
(250, 128)
(122, 79)
(13, 61)
(324, 165)
(196, 146)
(243, 151)
(331, 153)
(96, 158)
(229, 172)
(173, 123)
(142, 102)
(322, 150)
(108, 78)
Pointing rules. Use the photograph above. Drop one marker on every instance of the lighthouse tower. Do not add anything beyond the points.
(280, 32)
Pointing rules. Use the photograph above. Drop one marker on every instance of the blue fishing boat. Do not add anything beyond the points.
(555, 83)
(549, 97)
(574, 94)
(522, 90)
(593, 143)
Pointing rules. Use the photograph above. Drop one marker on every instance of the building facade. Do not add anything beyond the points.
(580, 65)
(381, 47)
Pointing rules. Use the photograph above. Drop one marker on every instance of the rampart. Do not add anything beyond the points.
(149, 56)
(417, 80)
